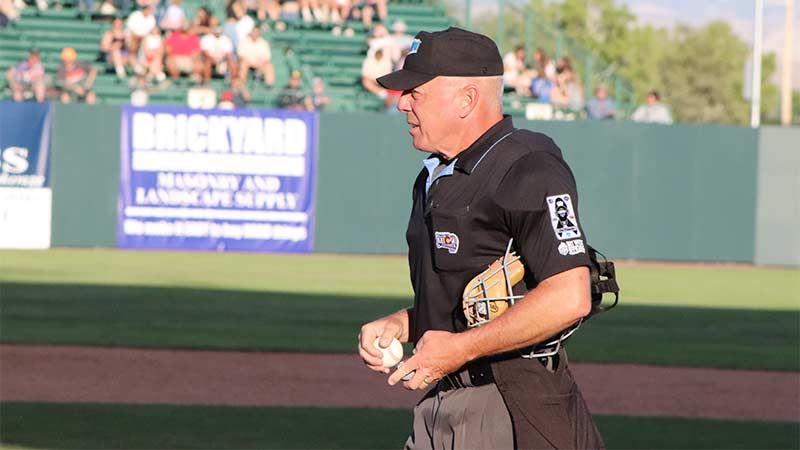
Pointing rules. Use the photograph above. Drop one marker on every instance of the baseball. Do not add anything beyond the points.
(391, 355)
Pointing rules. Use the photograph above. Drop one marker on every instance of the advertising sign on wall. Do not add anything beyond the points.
(217, 180)
(25, 196)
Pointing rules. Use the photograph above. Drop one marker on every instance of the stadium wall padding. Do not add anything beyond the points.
(681, 192)
(85, 175)
(778, 212)
(646, 191)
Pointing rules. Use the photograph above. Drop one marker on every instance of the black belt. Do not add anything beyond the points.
(480, 373)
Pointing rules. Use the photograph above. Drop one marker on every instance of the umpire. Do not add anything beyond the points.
(484, 183)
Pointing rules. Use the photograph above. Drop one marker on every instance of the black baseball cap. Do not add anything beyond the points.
(453, 52)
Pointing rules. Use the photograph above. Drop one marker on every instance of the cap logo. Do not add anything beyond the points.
(414, 46)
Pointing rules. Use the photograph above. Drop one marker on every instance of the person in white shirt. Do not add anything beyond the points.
(152, 55)
(174, 16)
(653, 111)
(516, 74)
(139, 24)
(217, 52)
(374, 67)
(402, 41)
(254, 53)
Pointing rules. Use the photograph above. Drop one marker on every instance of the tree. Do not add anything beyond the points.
(641, 63)
(770, 97)
(703, 75)
(796, 107)
(698, 71)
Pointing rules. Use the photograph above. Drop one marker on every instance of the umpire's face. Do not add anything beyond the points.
(431, 111)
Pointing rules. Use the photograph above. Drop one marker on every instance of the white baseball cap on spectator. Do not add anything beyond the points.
(399, 26)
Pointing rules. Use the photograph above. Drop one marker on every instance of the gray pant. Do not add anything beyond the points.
(467, 418)
(529, 407)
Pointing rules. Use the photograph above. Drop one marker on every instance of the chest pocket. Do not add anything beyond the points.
(453, 247)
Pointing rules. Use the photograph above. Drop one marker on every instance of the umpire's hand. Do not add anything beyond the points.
(388, 328)
(437, 354)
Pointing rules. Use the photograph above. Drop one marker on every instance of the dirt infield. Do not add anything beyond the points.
(122, 375)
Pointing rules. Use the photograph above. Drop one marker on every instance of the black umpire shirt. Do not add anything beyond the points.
(510, 183)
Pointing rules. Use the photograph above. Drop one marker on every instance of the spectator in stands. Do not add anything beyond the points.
(542, 88)
(8, 12)
(366, 10)
(310, 11)
(201, 25)
(107, 8)
(75, 78)
(226, 101)
(325, 11)
(174, 16)
(272, 9)
(601, 107)
(259, 7)
(112, 46)
(379, 38)
(340, 10)
(217, 51)
(241, 95)
(139, 24)
(244, 23)
(375, 66)
(183, 53)
(254, 53)
(152, 56)
(653, 111)
(567, 92)
(229, 29)
(292, 97)
(140, 94)
(27, 77)
(86, 6)
(319, 100)
(402, 41)
(516, 76)
(289, 13)
(543, 65)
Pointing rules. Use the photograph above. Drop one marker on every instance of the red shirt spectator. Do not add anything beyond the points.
(183, 43)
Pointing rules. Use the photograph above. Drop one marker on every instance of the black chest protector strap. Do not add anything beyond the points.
(603, 280)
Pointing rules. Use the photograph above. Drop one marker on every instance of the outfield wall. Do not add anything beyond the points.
(778, 211)
(681, 192)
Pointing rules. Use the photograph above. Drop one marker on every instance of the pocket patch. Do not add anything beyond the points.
(448, 241)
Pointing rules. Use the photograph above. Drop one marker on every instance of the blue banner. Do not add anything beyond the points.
(24, 144)
(217, 180)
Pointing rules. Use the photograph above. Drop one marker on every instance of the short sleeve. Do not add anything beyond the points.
(538, 201)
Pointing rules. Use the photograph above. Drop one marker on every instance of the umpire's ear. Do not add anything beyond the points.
(467, 98)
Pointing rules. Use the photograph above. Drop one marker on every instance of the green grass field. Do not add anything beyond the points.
(674, 315)
(378, 276)
(95, 426)
(705, 316)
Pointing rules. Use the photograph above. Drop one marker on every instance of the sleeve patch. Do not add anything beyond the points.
(562, 217)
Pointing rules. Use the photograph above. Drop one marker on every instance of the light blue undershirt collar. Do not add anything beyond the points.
(433, 163)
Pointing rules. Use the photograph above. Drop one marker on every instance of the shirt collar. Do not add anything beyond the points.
(469, 158)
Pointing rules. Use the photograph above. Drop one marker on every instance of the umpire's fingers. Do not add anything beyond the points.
(371, 356)
(419, 381)
(366, 342)
(407, 367)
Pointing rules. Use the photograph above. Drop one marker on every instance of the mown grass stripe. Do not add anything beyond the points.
(91, 426)
(135, 316)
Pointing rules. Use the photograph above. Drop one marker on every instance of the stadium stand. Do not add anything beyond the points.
(314, 49)
(311, 48)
